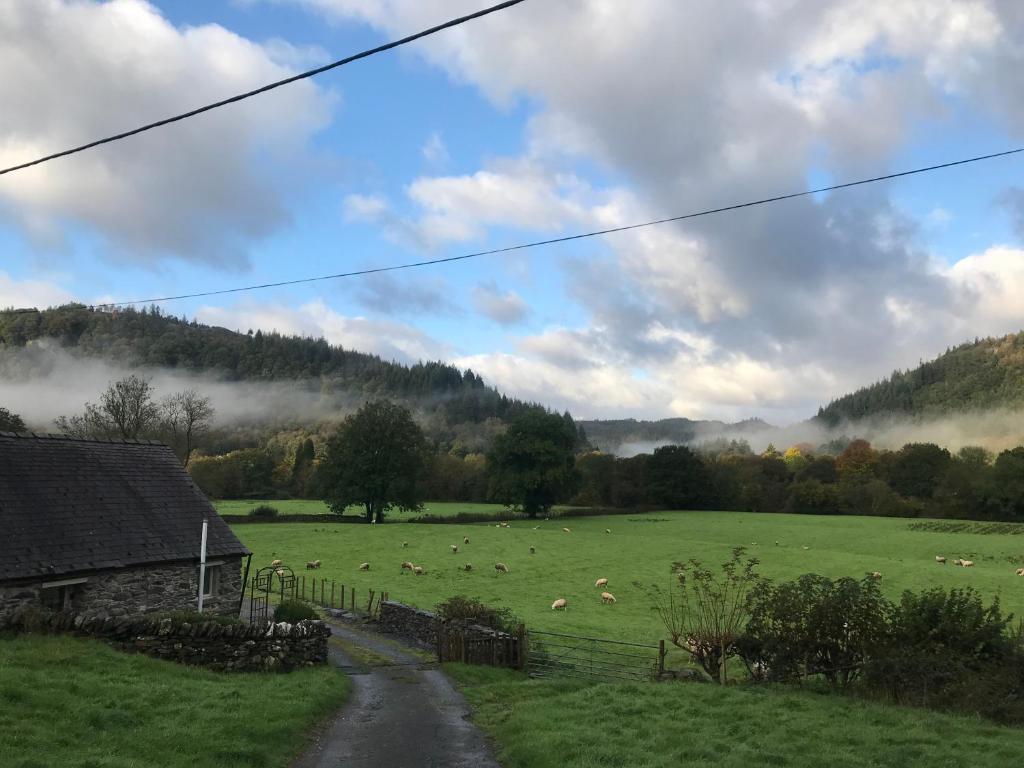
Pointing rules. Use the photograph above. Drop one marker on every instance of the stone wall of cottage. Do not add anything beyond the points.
(136, 590)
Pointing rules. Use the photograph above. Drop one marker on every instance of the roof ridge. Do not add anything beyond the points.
(75, 439)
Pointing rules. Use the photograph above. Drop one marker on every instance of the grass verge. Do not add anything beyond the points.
(75, 702)
(569, 724)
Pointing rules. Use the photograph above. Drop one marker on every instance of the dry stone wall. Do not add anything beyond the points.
(229, 647)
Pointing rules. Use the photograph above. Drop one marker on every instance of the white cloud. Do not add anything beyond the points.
(506, 308)
(200, 190)
(388, 339)
(434, 150)
(30, 293)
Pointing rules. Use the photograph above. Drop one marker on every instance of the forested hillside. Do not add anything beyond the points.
(149, 338)
(986, 373)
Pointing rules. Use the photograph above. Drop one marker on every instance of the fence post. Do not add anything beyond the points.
(332, 593)
(353, 600)
(661, 657)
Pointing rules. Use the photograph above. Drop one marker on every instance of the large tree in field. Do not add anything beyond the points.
(374, 460)
(678, 479)
(532, 464)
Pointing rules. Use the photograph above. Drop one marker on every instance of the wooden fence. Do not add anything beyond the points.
(475, 644)
(552, 653)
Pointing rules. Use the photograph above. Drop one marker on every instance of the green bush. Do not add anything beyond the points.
(814, 626)
(293, 611)
(471, 610)
(263, 512)
(946, 648)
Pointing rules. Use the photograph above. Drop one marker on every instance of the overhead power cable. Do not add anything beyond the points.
(269, 87)
(564, 239)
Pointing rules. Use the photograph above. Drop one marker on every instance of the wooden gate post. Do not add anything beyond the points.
(332, 593)
(661, 657)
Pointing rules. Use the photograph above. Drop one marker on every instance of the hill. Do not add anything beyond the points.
(979, 375)
(149, 339)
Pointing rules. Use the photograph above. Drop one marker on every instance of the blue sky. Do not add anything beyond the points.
(546, 120)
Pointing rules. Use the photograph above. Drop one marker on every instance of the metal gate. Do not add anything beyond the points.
(552, 653)
(269, 581)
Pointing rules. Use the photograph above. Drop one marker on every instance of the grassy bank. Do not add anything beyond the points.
(637, 552)
(557, 724)
(75, 702)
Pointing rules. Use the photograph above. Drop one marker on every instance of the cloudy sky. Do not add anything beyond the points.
(554, 117)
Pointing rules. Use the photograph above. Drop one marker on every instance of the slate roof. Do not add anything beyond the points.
(70, 505)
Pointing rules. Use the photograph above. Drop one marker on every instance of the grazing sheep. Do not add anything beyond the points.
(607, 530)
(364, 567)
(958, 561)
(310, 565)
(601, 583)
(501, 568)
(536, 527)
(776, 543)
(280, 572)
(967, 563)
(418, 570)
(607, 597)
(467, 567)
(940, 559)
(1020, 571)
(465, 539)
(505, 525)
(317, 563)
(406, 566)
(806, 547)
(567, 530)
(876, 574)
(455, 549)
(405, 544)
(275, 563)
(533, 550)
(559, 604)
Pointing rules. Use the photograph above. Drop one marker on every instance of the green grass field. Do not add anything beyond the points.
(314, 507)
(637, 552)
(563, 724)
(73, 702)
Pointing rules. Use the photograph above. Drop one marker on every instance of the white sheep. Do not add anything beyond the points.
(465, 539)
(311, 565)
(876, 574)
(607, 597)
(405, 544)
(533, 550)
(940, 559)
(275, 563)
(607, 530)
(967, 563)
(559, 604)
(567, 530)
(364, 567)
(468, 567)
(407, 566)
(418, 570)
(1019, 571)
(958, 561)
(501, 568)
(455, 549)
(280, 572)
(601, 583)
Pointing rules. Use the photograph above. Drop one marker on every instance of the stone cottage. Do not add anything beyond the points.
(108, 528)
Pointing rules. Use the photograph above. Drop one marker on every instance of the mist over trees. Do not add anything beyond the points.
(127, 409)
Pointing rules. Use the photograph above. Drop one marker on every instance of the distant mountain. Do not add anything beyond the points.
(629, 436)
(979, 375)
